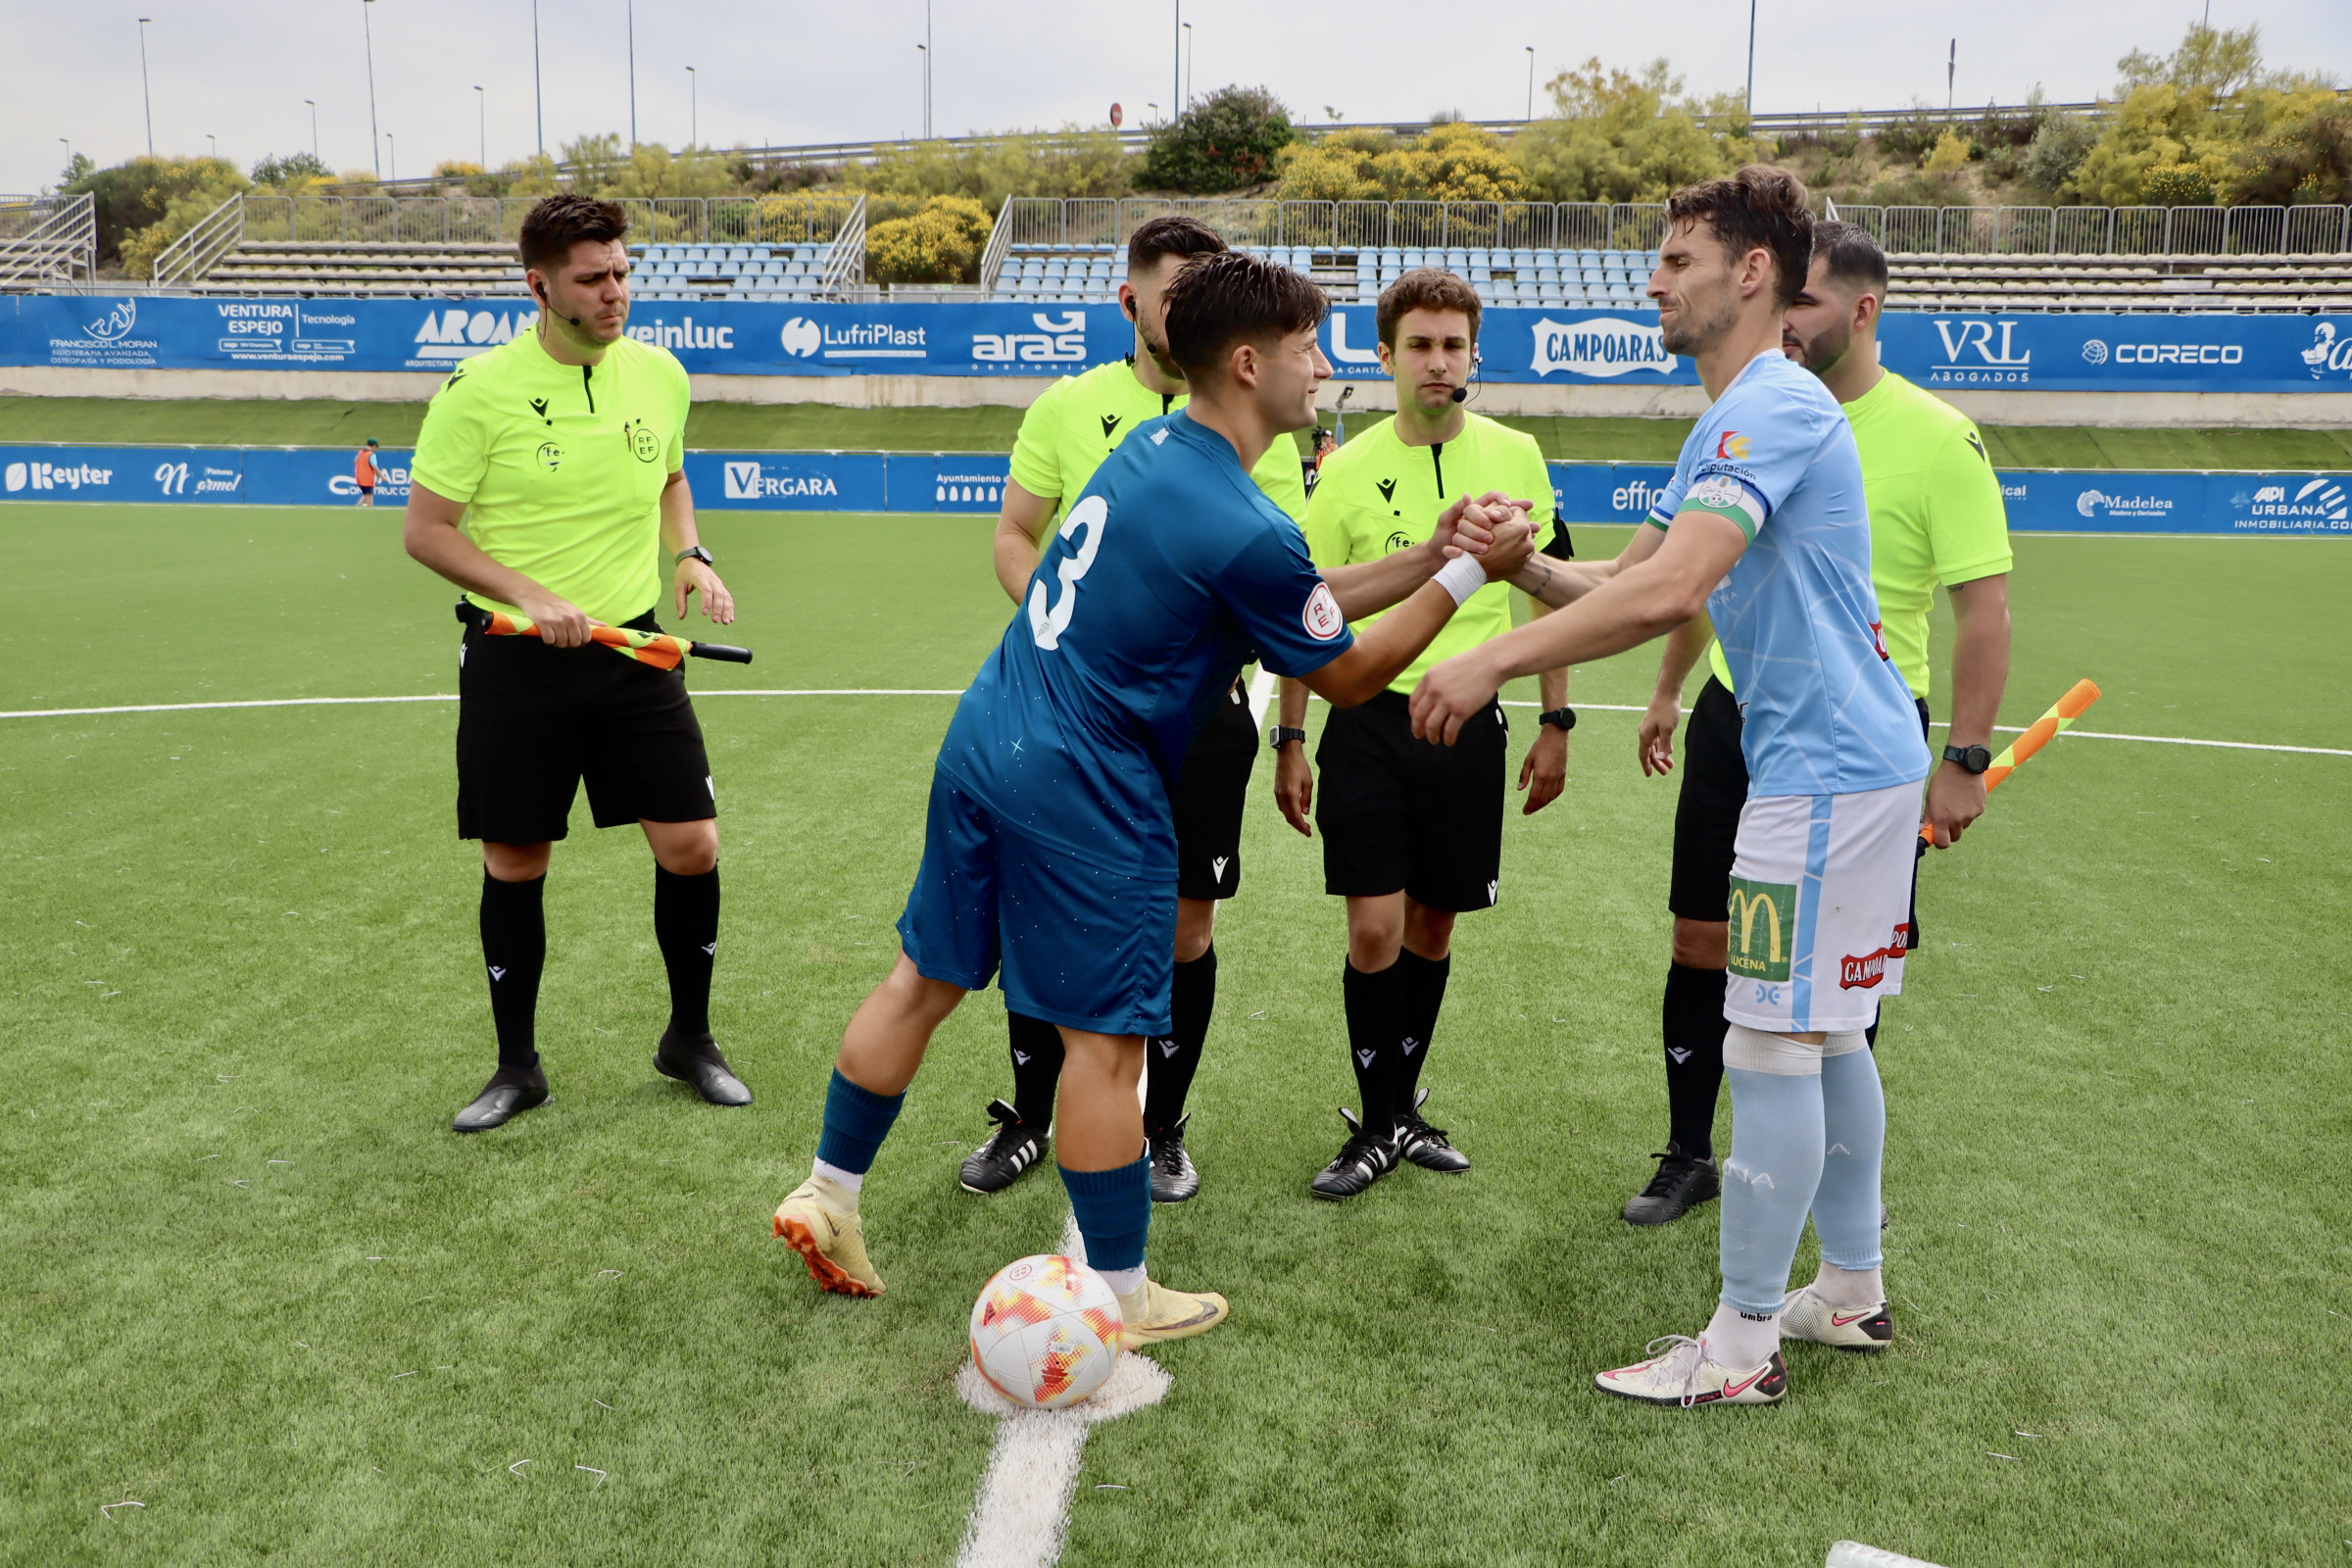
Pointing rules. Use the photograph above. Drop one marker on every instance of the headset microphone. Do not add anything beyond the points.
(1461, 394)
(540, 289)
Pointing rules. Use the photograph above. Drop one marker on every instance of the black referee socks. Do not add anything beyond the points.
(1036, 1067)
(1421, 992)
(1171, 1059)
(515, 951)
(1375, 1003)
(1694, 1028)
(686, 925)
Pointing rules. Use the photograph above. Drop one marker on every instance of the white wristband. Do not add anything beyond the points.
(1461, 577)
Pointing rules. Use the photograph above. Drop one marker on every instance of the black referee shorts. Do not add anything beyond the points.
(1706, 816)
(1398, 813)
(534, 721)
(1210, 791)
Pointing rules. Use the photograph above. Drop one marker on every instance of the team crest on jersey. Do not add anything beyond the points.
(1400, 540)
(644, 445)
(1321, 617)
(1718, 490)
(550, 455)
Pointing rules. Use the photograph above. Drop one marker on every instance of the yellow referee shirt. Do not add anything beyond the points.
(1377, 495)
(561, 467)
(1936, 513)
(1081, 419)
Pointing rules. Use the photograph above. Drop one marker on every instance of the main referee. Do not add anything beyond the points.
(1936, 516)
(549, 480)
(1066, 434)
(1412, 831)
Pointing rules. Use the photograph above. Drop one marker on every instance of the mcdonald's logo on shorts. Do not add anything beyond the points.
(1763, 928)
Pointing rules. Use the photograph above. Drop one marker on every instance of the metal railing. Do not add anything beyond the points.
(1343, 226)
(192, 254)
(47, 240)
(845, 263)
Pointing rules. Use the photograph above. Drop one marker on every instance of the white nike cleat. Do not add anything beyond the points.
(1806, 1316)
(1682, 1376)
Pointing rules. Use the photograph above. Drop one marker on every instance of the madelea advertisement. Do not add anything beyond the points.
(2058, 353)
(2039, 500)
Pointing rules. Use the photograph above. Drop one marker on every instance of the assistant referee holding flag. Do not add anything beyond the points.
(549, 480)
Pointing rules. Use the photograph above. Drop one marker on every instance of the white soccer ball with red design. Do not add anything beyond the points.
(1045, 1332)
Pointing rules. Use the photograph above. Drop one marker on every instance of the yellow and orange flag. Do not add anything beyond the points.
(659, 649)
(2043, 730)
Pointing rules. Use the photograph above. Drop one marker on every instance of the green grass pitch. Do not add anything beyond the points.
(253, 1282)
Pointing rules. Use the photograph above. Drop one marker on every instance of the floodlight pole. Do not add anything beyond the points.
(374, 149)
(632, 73)
(1530, 83)
(1951, 69)
(694, 122)
(481, 119)
(146, 96)
(1188, 62)
(538, 94)
(314, 103)
(924, 50)
(1748, 104)
(1176, 65)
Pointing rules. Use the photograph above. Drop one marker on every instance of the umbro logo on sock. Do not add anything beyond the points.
(1365, 1056)
(1411, 1044)
(1218, 865)
(1492, 889)
(1020, 1058)
(1679, 1056)
(496, 973)
(711, 949)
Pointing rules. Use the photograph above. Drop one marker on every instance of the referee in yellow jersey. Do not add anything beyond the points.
(1412, 831)
(1936, 517)
(548, 482)
(1067, 432)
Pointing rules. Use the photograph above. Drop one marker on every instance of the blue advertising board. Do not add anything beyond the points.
(2039, 500)
(2063, 353)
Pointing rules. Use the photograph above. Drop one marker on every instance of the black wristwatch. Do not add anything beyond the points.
(1281, 734)
(1559, 719)
(697, 552)
(1972, 758)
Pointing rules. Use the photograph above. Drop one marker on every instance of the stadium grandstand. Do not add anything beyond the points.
(1568, 256)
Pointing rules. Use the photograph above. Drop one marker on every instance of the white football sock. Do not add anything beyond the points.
(1122, 1281)
(848, 1181)
(1849, 1289)
(1740, 1339)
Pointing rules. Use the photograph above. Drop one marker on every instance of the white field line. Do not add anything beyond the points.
(1257, 701)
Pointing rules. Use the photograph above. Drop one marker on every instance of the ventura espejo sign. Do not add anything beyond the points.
(2062, 353)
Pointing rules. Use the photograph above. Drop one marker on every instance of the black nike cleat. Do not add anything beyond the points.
(1010, 1150)
(1173, 1179)
(1426, 1146)
(1362, 1160)
(1681, 1185)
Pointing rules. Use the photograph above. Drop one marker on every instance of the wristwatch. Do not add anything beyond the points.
(1972, 758)
(697, 552)
(1559, 719)
(1281, 734)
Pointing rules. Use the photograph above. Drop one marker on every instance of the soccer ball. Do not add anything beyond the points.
(1045, 1332)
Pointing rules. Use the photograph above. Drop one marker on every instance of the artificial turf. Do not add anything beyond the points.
(823, 427)
(255, 1284)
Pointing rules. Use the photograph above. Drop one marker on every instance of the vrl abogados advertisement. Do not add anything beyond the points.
(2070, 353)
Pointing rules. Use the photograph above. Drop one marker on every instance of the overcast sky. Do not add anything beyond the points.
(793, 71)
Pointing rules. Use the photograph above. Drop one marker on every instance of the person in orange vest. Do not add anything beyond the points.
(362, 469)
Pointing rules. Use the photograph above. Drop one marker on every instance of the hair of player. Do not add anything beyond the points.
(1853, 257)
(1759, 207)
(558, 223)
(1229, 297)
(1170, 234)
(1425, 288)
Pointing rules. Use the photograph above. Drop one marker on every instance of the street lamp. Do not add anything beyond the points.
(146, 97)
(481, 119)
(314, 103)
(392, 154)
(1176, 65)
(924, 50)
(69, 157)
(1188, 62)
(213, 144)
(1154, 108)
(368, 30)
(632, 73)
(1530, 81)
(538, 98)
(694, 134)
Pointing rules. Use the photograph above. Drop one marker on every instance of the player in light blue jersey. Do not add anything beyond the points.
(1049, 849)
(1770, 534)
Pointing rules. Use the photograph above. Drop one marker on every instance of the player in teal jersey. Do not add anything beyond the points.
(1066, 434)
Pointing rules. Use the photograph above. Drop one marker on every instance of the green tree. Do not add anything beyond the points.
(292, 172)
(2057, 150)
(143, 205)
(1069, 162)
(2299, 148)
(1618, 137)
(1230, 138)
(940, 244)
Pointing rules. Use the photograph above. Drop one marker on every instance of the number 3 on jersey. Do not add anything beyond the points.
(1047, 624)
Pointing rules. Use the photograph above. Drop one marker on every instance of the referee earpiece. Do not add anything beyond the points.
(540, 289)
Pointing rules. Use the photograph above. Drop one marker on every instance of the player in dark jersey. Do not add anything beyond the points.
(1049, 848)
